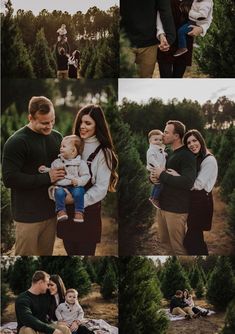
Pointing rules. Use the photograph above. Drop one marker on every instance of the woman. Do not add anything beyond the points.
(201, 202)
(57, 291)
(174, 67)
(74, 65)
(90, 124)
(188, 299)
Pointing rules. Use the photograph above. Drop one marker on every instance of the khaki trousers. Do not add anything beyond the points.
(172, 229)
(28, 330)
(182, 311)
(62, 74)
(35, 238)
(145, 59)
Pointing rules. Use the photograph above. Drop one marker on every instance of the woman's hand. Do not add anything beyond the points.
(164, 45)
(196, 31)
(172, 172)
(74, 326)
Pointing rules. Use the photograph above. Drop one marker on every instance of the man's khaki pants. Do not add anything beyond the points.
(28, 330)
(35, 238)
(145, 59)
(183, 311)
(172, 229)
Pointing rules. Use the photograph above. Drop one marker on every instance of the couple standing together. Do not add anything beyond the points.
(27, 157)
(185, 199)
(170, 23)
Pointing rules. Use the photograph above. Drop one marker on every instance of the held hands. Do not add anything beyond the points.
(196, 31)
(56, 174)
(164, 45)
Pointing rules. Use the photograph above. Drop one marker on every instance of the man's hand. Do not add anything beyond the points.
(74, 326)
(56, 174)
(155, 173)
(74, 182)
(164, 45)
(196, 31)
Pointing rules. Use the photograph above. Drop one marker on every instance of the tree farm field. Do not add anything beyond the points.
(93, 304)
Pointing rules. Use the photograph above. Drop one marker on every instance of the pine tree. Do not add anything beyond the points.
(229, 327)
(21, 275)
(231, 219)
(228, 181)
(109, 284)
(90, 269)
(195, 276)
(221, 285)
(139, 297)
(42, 57)
(215, 55)
(127, 68)
(200, 288)
(174, 278)
(71, 270)
(15, 57)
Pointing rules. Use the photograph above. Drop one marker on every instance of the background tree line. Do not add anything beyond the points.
(144, 282)
(68, 96)
(28, 42)
(132, 124)
(76, 272)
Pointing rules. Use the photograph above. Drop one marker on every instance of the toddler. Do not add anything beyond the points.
(76, 177)
(156, 157)
(70, 312)
(199, 14)
(62, 32)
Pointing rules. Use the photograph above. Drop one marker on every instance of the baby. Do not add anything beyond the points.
(70, 312)
(156, 157)
(76, 177)
(199, 14)
(62, 32)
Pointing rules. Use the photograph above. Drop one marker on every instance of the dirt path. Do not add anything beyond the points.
(107, 247)
(203, 325)
(93, 304)
(219, 241)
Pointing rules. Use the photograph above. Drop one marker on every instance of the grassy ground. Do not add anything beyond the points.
(93, 304)
(203, 325)
(219, 241)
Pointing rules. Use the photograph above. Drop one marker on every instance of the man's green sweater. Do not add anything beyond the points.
(175, 194)
(24, 152)
(32, 310)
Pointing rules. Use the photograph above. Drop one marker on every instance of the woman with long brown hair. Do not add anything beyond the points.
(90, 125)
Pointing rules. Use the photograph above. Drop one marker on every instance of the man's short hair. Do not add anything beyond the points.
(179, 127)
(154, 132)
(40, 104)
(178, 292)
(39, 275)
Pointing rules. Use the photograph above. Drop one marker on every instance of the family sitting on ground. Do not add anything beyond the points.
(67, 66)
(47, 307)
(182, 304)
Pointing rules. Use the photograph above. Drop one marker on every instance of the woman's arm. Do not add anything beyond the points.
(207, 175)
(101, 177)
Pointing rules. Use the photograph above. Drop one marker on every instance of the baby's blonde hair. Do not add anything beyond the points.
(77, 142)
(71, 290)
(154, 132)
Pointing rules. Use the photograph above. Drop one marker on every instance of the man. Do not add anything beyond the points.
(138, 20)
(175, 195)
(32, 308)
(179, 307)
(25, 151)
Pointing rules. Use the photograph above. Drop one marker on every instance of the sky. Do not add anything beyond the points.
(71, 6)
(201, 90)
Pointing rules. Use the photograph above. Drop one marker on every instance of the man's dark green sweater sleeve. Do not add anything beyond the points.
(25, 316)
(187, 174)
(14, 158)
(164, 7)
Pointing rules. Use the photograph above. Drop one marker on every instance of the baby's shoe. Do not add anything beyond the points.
(180, 52)
(62, 216)
(78, 217)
